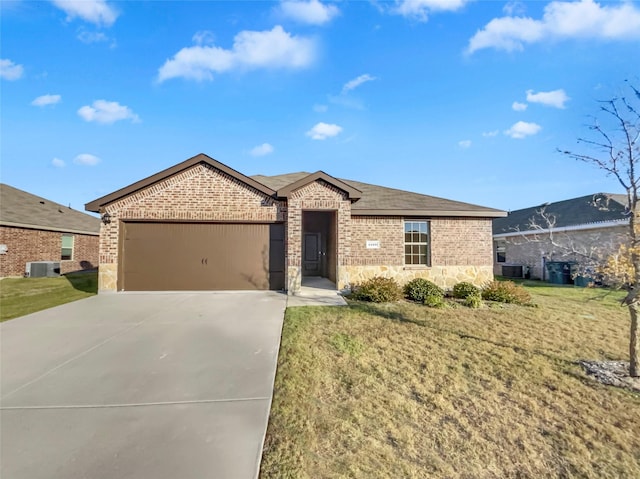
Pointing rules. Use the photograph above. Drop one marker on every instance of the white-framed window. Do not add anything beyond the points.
(67, 247)
(501, 251)
(416, 243)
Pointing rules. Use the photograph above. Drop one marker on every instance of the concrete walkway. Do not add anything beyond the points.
(159, 386)
(316, 291)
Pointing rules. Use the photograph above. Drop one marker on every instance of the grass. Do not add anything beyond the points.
(20, 296)
(402, 390)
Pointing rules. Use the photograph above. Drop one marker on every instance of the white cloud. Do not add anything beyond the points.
(58, 163)
(204, 37)
(262, 150)
(86, 159)
(103, 111)
(522, 129)
(489, 134)
(320, 108)
(561, 20)
(464, 144)
(514, 8)
(322, 131)
(92, 37)
(312, 12)
(45, 100)
(555, 98)
(267, 49)
(517, 106)
(9, 70)
(420, 9)
(356, 82)
(98, 12)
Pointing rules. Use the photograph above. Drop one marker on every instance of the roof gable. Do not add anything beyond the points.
(99, 203)
(590, 209)
(352, 193)
(21, 209)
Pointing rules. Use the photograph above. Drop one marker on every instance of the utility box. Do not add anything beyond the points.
(512, 270)
(559, 272)
(42, 269)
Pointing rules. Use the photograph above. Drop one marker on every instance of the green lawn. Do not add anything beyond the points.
(20, 296)
(402, 390)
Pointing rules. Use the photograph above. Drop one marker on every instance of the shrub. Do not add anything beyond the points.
(506, 292)
(378, 290)
(464, 290)
(419, 289)
(473, 300)
(434, 301)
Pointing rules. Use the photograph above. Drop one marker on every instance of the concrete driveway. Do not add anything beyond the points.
(146, 385)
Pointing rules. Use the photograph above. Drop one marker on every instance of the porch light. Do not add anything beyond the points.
(106, 218)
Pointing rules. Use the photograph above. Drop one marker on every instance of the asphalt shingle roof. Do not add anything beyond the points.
(19, 208)
(381, 198)
(584, 210)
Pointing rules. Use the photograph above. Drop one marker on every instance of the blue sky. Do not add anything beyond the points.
(466, 100)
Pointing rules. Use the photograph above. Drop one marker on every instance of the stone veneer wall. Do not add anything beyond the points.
(461, 250)
(25, 245)
(569, 246)
(316, 196)
(200, 193)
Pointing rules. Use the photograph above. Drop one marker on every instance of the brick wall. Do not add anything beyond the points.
(460, 251)
(389, 230)
(577, 246)
(461, 241)
(200, 193)
(25, 245)
(453, 241)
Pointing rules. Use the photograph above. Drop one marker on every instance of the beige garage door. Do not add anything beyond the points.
(201, 256)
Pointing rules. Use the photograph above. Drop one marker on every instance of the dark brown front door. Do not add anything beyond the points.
(201, 256)
(312, 254)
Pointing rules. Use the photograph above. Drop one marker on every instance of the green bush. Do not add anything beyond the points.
(434, 301)
(464, 290)
(378, 290)
(419, 289)
(473, 300)
(506, 292)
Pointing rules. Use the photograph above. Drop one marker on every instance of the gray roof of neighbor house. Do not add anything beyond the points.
(586, 210)
(21, 209)
(380, 200)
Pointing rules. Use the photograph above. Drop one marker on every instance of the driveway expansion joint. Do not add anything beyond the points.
(143, 404)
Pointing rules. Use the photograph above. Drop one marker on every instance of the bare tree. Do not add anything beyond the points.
(617, 146)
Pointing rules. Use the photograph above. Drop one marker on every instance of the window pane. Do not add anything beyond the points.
(501, 258)
(67, 241)
(416, 238)
(66, 253)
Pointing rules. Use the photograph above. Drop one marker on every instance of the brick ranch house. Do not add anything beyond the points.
(583, 231)
(201, 225)
(36, 229)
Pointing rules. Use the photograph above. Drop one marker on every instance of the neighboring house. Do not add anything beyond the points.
(583, 231)
(201, 225)
(36, 229)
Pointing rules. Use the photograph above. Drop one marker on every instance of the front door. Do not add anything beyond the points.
(312, 255)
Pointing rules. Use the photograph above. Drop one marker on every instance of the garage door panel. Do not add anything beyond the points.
(201, 256)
